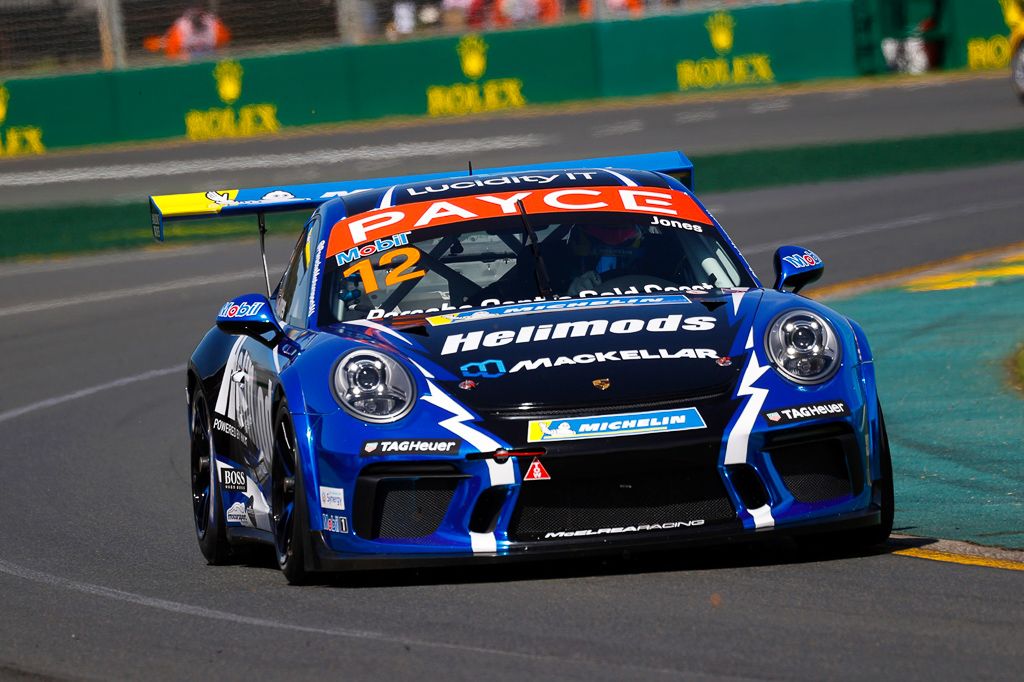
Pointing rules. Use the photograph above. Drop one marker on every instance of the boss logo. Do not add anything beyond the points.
(234, 480)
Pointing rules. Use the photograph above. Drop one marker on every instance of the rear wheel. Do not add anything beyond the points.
(1017, 70)
(207, 510)
(287, 500)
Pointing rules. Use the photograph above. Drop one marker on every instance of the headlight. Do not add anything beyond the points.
(803, 347)
(373, 387)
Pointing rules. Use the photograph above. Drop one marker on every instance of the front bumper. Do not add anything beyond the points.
(666, 491)
(324, 558)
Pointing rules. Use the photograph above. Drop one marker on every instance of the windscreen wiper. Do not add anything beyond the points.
(541, 271)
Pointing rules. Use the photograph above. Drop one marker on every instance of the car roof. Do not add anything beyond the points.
(465, 185)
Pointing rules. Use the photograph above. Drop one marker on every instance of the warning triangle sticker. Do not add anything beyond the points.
(537, 472)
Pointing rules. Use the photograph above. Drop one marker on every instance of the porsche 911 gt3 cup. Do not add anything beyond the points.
(523, 363)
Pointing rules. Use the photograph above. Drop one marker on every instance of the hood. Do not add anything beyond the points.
(609, 352)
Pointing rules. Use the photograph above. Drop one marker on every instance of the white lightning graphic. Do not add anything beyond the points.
(500, 474)
(739, 437)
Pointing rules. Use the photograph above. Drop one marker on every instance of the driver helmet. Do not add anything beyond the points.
(612, 236)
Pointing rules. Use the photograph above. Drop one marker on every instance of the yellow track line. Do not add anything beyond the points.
(965, 559)
(895, 276)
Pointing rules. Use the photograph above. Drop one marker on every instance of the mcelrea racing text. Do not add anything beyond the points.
(622, 529)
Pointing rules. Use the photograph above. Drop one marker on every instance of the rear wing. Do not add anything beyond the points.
(233, 202)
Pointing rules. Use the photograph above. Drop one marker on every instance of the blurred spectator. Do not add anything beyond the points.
(456, 13)
(487, 14)
(612, 7)
(196, 33)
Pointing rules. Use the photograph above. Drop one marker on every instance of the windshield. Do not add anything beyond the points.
(495, 261)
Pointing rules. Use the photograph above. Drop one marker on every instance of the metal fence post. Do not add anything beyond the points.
(351, 21)
(111, 27)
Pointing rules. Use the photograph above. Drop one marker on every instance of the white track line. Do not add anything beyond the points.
(910, 221)
(85, 392)
(181, 608)
(130, 292)
(59, 264)
(290, 160)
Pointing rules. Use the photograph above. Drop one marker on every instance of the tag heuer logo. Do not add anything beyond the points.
(370, 447)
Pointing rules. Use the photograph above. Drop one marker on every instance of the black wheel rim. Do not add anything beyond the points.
(201, 464)
(283, 492)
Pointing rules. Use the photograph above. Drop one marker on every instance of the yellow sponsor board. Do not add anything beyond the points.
(223, 122)
(476, 95)
(724, 70)
(995, 52)
(17, 140)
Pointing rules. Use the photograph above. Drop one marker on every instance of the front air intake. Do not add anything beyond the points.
(403, 501)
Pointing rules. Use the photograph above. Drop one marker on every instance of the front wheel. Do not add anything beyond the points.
(207, 510)
(287, 500)
(1017, 70)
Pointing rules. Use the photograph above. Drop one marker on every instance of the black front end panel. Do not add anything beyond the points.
(404, 501)
(818, 463)
(621, 493)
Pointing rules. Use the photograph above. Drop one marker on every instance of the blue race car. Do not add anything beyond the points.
(524, 363)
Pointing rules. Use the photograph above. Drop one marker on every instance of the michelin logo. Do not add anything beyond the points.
(613, 425)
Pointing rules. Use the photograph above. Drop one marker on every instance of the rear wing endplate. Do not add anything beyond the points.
(232, 202)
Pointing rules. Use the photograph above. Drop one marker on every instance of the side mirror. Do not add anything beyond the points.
(249, 315)
(796, 267)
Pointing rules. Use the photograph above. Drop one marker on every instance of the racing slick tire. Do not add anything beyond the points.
(1017, 71)
(288, 500)
(207, 509)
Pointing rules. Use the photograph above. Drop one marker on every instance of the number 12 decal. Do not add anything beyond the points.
(403, 272)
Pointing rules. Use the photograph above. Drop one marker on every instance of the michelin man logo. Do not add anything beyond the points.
(563, 430)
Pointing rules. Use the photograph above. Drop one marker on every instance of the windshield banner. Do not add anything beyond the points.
(350, 233)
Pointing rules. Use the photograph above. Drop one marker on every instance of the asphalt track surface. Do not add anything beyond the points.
(698, 125)
(100, 576)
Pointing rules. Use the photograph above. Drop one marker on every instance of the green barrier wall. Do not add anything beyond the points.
(978, 34)
(707, 51)
(435, 77)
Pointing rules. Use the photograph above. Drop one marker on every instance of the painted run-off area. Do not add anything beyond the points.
(948, 352)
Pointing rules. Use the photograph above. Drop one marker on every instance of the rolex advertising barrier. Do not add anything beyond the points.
(450, 76)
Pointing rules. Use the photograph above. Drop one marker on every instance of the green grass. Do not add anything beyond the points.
(37, 232)
(820, 163)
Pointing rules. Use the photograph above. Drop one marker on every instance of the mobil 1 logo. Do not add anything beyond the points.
(233, 480)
